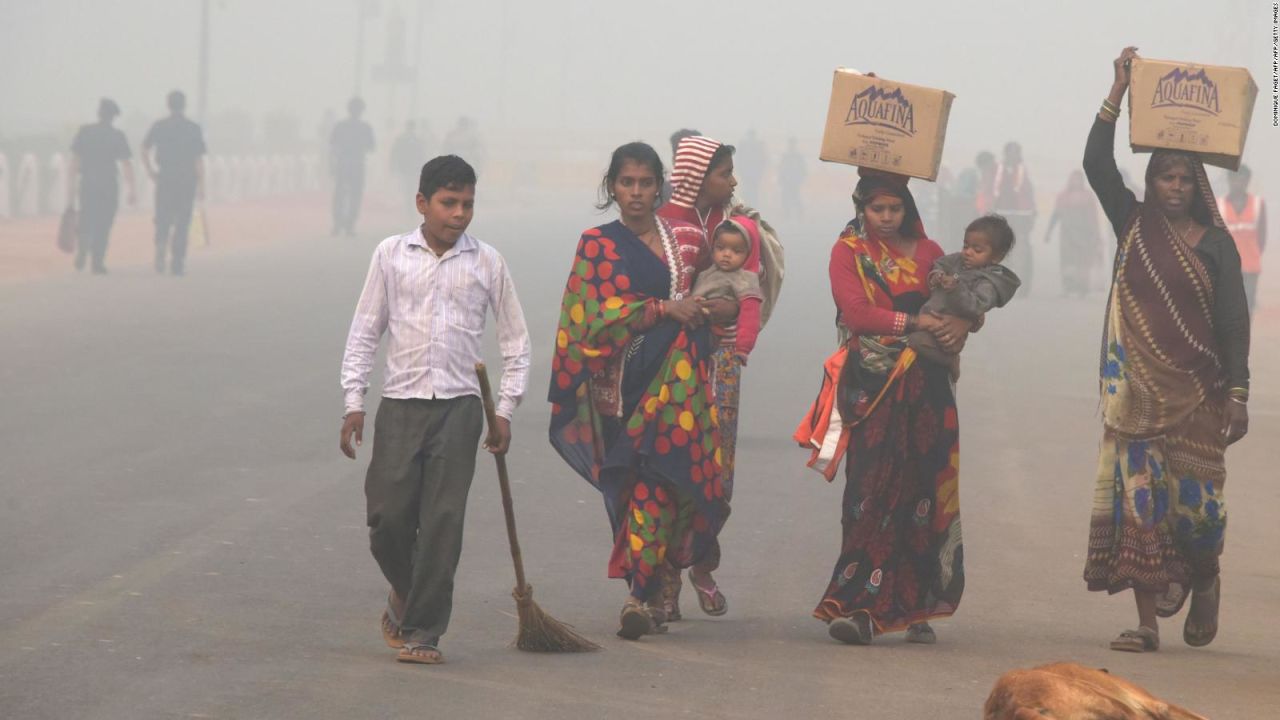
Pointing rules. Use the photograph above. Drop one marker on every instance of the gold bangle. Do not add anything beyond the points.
(1114, 108)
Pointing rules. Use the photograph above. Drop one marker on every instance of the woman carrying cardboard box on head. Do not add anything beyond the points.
(1174, 385)
(888, 415)
(901, 563)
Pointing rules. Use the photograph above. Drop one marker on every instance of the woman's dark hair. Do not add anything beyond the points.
(446, 171)
(1161, 161)
(640, 152)
(997, 229)
(719, 157)
(869, 185)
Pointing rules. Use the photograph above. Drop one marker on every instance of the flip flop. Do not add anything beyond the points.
(855, 630)
(712, 601)
(1144, 639)
(391, 628)
(1193, 633)
(420, 653)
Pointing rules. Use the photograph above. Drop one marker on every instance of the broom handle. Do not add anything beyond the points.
(491, 416)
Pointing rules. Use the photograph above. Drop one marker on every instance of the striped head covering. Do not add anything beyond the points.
(693, 159)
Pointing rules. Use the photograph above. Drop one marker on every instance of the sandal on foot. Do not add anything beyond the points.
(921, 633)
(1198, 634)
(636, 621)
(1144, 639)
(421, 653)
(1170, 603)
(711, 600)
(854, 630)
(391, 628)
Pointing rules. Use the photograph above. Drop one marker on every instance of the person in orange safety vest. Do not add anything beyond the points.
(1246, 218)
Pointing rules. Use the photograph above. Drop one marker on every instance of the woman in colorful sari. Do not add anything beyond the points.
(702, 194)
(631, 386)
(1174, 385)
(901, 562)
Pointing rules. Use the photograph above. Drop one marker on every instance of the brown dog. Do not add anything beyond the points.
(1067, 691)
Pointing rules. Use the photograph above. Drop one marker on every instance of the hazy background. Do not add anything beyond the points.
(180, 536)
(573, 78)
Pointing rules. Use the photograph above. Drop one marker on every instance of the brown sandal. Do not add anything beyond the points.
(1194, 633)
(638, 620)
(391, 631)
(391, 634)
(1144, 639)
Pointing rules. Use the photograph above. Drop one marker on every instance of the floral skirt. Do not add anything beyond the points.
(1158, 520)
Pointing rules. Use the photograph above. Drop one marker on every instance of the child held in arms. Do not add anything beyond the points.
(726, 278)
(969, 283)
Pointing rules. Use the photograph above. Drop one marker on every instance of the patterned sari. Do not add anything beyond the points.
(1158, 514)
(901, 558)
(631, 401)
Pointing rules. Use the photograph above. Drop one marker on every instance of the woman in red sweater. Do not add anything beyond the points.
(901, 562)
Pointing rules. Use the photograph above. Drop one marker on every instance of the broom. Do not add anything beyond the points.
(539, 632)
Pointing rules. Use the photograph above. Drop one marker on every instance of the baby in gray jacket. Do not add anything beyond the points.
(969, 283)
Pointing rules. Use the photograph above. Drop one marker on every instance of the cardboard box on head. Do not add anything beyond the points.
(1204, 109)
(886, 125)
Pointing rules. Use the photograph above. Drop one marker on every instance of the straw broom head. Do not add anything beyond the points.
(539, 632)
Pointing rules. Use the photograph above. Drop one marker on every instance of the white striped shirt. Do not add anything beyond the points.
(433, 310)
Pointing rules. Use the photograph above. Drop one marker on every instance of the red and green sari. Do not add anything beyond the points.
(901, 558)
(632, 411)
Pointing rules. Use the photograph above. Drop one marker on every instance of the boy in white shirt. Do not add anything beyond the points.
(429, 290)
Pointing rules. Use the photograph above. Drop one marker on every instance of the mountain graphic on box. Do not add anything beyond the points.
(1193, 90)
(891, 110)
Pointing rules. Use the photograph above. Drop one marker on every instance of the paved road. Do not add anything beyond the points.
(180, 538)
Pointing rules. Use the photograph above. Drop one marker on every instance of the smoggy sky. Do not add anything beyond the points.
(615, 70)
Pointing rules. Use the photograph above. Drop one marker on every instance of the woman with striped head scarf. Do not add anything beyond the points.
(702, 195)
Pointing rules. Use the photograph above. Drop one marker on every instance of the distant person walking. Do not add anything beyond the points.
(1246, 217)
(408, 153)
(1016, 201)
(791, 176)
(1075, 215)
(178, 173)
(350, 141)
(99, 154)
